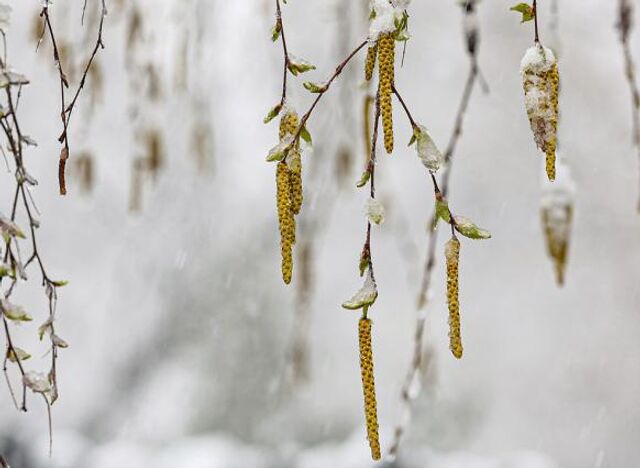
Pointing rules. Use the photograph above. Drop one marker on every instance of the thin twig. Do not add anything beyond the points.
(66, 110)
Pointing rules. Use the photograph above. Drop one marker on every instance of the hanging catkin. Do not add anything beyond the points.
(370, 62)
(452, 254)
(289, 193)
(368, 386)
(541, 82)
(294, 163)
(386, 59)
(285, 220)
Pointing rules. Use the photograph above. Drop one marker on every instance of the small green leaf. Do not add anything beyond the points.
(273, 113)
(526, 10)
(315, 87)
(297, 65)
(59, 283)
(468, 229)
(364, 179)
(14, 312)
(280, 151)
(306, 136)
(442, 211)
(19, 355)
(276, 30)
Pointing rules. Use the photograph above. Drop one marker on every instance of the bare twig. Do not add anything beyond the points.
(66, 110)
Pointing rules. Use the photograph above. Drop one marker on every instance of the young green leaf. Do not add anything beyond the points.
(306, 136)
(18, 355)
(273, 113)
(468, 229)
(364, 179)
(526, 10)
(315, 87)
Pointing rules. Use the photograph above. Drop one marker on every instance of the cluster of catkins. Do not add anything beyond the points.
(384, 50)
(541, 83)
(288, 192)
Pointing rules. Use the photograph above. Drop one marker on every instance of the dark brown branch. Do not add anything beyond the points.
(66, 110)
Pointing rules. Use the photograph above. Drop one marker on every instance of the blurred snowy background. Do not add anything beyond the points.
(178, 321)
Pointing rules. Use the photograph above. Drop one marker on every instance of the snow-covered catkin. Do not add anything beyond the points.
(370, 62)
(541, 82)
(452, 254)
(285, 220)
(368, 386)
(288, 124)
(386, 63)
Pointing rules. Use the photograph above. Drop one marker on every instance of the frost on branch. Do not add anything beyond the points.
(539, 69)
(557, 206)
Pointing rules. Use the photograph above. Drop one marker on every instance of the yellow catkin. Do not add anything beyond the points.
(386, 60)
(452, 254)
(556, 232)
(295, 182)
(370, 62)
(285, 220)
(368, 386)
(554, 85)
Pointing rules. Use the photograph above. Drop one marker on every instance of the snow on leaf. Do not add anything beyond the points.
(42, 329)
(387, 17)
(468, 229)
(14, 312)
(17, 354)
(11, 78)
(9, 229)
(365, 296)
(59, 342)
(315, 87)
(428, 152)
(374, 211)
(280, 151)
(297, 65)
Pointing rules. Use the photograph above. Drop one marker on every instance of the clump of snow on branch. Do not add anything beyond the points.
(374, 211)
(428, 152)
(384, 16)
